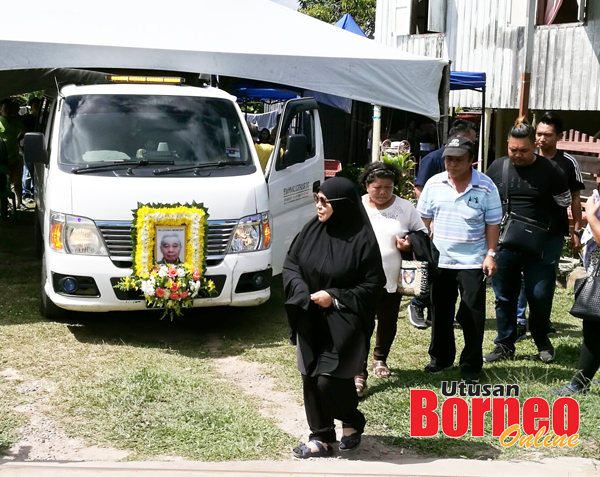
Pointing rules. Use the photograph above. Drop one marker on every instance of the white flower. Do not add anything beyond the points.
(147, 288)
(162, 272)
(181, 272)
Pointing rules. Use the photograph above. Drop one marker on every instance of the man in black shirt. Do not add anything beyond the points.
(548, 132)
(536, 187)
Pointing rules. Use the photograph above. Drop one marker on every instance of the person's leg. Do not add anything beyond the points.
(522, 306)
(3, 197)
(471, 317)
(540, 282)
(589, 361)
(416, 312)
(16, 176)
(444, 292)
(506, 284)
(341, 402)
(26, 182)
(318, 414)
(387, 325)
(589, 357)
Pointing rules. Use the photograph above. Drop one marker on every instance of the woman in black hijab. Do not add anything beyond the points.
(332, 277)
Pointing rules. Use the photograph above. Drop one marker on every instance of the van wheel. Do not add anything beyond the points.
(47, 307)
(38, 236)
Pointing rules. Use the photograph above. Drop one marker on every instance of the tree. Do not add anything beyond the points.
(331, 11)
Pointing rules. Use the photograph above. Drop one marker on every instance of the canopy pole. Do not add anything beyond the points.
(376, 139)
(482, 136)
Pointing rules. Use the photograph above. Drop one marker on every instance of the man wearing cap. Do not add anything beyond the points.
(432, 164)
(462, 207)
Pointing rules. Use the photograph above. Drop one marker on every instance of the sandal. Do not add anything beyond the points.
(360, 384)
(351, 442)
(305, 452)
(380, 369)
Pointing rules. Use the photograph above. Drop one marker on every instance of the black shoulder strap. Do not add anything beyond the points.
(506, 201)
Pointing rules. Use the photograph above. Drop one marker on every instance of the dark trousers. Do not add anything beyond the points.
(589, 356)
(471, 317)
(539, 279)
(422, 302)
(327, 398)
(387, 311)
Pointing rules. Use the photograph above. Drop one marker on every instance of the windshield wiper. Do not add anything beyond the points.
(198, 166)
(114, 164)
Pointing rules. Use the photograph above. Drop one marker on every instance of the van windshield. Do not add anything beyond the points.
(184, 131)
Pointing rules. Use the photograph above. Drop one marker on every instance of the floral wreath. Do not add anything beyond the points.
(172, 286)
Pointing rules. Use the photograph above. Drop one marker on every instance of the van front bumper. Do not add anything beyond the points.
(226, 275)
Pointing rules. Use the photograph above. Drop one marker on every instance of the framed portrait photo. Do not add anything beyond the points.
(170, 244)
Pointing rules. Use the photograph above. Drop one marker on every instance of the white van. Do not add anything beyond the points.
(104, 148)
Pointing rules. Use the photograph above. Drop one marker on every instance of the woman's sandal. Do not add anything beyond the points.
(305, 452)
(360, 384)
(351, 442)
(380, 369)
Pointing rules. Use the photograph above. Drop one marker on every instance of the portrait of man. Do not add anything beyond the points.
(170, 245)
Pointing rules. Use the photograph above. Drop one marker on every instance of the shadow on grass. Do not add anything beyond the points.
(258, 327)
(19, 272)
(442, 446)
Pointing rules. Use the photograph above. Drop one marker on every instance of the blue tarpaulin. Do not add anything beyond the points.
(349, 24)
(263, 94)
(466, 80)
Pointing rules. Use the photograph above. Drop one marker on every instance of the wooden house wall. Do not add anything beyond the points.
(565, 67)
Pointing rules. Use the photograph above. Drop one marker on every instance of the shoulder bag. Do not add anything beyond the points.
(587, 296)
(519, 233)
(413, 278)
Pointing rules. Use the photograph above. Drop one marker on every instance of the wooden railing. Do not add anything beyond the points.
(575, 141)
(586, 150)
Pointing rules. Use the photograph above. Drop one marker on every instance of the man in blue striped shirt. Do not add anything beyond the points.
(462, 208)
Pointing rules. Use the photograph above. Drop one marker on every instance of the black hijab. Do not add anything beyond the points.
(341, 257)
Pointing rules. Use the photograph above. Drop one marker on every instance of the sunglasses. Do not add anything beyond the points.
(324, 202)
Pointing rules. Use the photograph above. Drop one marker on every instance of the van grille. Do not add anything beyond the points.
(117, 237)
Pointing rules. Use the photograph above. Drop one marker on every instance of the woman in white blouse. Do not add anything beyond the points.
(392, 218)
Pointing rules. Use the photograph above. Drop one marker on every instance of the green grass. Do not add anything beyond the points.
(126, 380)
(134, 382)
(387, 405)
(159, 411)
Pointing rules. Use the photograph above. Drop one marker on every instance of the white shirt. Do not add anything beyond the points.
(398, 219)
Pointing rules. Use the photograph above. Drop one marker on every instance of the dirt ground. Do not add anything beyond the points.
(41, 439)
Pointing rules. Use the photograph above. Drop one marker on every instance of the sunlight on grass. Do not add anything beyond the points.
(134, 382)
(156, 411)
(387, 405)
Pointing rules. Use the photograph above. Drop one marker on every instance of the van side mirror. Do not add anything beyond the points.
(295, 152)
(34, 150)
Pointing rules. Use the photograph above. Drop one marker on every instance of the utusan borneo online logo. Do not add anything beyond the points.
(534, 424)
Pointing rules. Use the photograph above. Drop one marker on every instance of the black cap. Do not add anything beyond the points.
(459, 146)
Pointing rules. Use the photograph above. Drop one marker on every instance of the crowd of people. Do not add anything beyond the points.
(342, 269)
(20, 174)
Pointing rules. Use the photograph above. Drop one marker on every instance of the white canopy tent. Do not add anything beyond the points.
(254, 39)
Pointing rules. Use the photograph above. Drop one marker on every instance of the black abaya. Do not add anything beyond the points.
(341, 257)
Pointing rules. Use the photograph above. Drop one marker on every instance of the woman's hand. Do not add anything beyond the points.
(322, 298)
(591, 207)
(403, 244)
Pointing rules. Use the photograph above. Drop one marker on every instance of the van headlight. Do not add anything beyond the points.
(76, 235)
(251, 234)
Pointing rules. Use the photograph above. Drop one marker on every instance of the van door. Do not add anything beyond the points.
(295, 169)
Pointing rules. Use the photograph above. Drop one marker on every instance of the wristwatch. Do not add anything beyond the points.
(491, 254)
